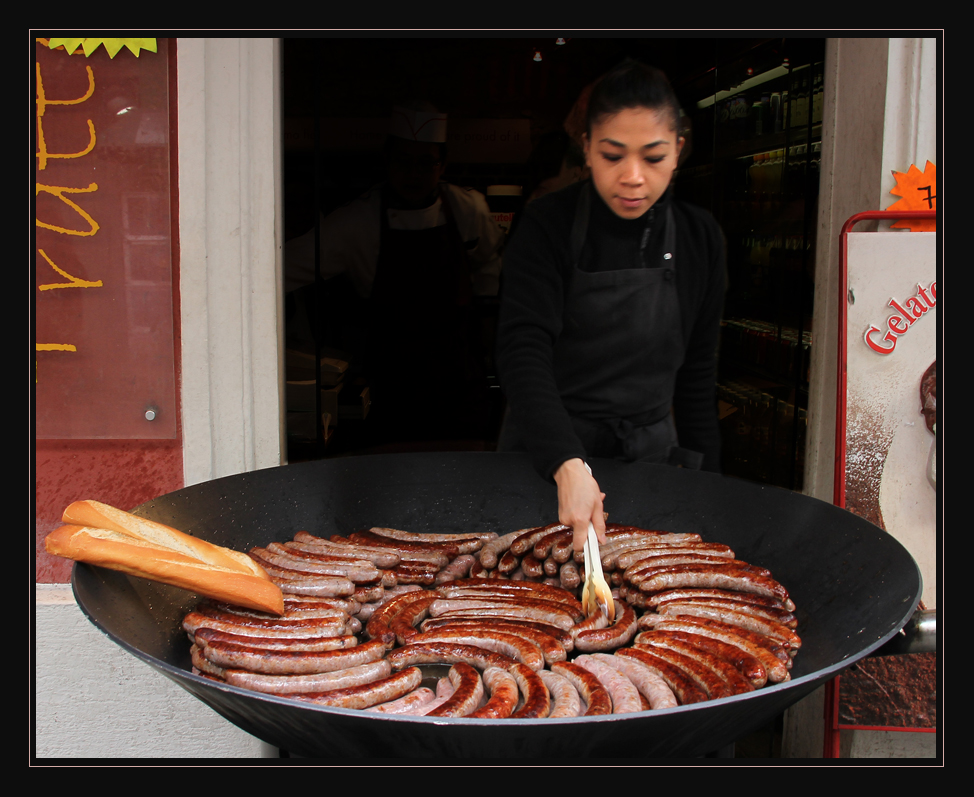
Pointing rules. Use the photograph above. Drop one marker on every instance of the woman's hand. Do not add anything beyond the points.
(579, 501)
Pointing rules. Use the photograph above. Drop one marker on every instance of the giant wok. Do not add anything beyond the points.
(854, 587)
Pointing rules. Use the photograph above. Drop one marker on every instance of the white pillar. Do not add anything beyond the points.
(230, 256)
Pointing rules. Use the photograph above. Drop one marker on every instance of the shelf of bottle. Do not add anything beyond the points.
(774, 352)
(730, 146)
(763, 436)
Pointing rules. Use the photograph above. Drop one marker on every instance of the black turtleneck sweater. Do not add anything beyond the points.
(537, 273)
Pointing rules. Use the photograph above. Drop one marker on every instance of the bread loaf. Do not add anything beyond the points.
(103, 535)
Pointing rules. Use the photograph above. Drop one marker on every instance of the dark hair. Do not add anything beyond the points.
(632, 84)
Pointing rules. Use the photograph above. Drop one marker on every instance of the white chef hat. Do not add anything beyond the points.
(418, 122)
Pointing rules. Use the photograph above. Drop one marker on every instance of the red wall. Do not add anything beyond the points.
(123, 473)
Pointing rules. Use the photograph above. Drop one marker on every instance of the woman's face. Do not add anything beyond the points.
(632, 155)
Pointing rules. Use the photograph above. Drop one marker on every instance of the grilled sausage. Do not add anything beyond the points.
(614, 636)
(687, 691)
(467, 694)
(588, 686)
(625, 696)
(537, 701)
(446, 653)
(289, 662)
(656, 691)
(362, 697)
(413, 703)
(566, 701)
(314, 682)
(503, 690)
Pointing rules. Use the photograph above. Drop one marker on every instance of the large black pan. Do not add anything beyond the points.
(854, 585)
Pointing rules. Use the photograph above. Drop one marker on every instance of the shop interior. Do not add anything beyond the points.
(755, 107)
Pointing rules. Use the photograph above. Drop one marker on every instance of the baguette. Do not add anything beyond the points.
(102, 535)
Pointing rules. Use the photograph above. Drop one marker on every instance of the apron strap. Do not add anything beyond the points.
(669, 238)
(464, 290)
(580, 228)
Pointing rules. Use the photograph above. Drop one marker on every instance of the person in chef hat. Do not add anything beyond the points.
(420, 251)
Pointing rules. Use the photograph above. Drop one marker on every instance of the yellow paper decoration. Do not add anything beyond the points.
(112, 46)
(919, 192)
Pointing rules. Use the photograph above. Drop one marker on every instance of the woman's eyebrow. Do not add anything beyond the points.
(615, 143)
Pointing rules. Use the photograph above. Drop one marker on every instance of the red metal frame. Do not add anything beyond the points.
(832, 726)
(838, 484)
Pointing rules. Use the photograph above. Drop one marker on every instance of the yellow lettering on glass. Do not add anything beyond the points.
(42, 102)
(73, 282)
(59, 191)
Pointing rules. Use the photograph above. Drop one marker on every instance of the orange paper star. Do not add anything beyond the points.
(918, 191)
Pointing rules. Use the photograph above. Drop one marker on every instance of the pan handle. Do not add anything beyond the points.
(919, 635)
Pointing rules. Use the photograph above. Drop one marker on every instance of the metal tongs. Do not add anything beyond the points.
(596, 594)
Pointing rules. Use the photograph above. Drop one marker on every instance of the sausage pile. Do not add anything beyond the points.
(364, 613)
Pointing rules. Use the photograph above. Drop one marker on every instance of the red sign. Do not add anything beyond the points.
(103, 274)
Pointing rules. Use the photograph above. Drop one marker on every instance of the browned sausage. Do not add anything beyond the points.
(307, 644)
(588, 686)
(550, 646)
(404, 623)
(626, 559)
(537, 701)
(446, 653)
(502, 687)
(362, 697)
(759, 625)
(321, 627)
(380, 624)
(413, 703)
(289, 662)
(566, 701)
(314, 682)
(468, 690)
(724, 669)
(650, 685)
(515, 647)
(715, 686)
(749, 666)
(756, 646)
(614, 636)
(625, 696)
(525, 542)
(684, 687)
(465, 543)
(494, 549)
(716, 577)
(378, 557)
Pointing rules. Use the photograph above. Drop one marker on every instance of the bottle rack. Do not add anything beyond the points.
(763, 178)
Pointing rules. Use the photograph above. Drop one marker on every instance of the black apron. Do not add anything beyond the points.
(620, 349)
(419, 366)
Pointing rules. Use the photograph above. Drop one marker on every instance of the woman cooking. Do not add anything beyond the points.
(610, 307)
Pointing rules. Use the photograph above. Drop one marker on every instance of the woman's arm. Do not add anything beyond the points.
(694, 400)
(532, 302)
